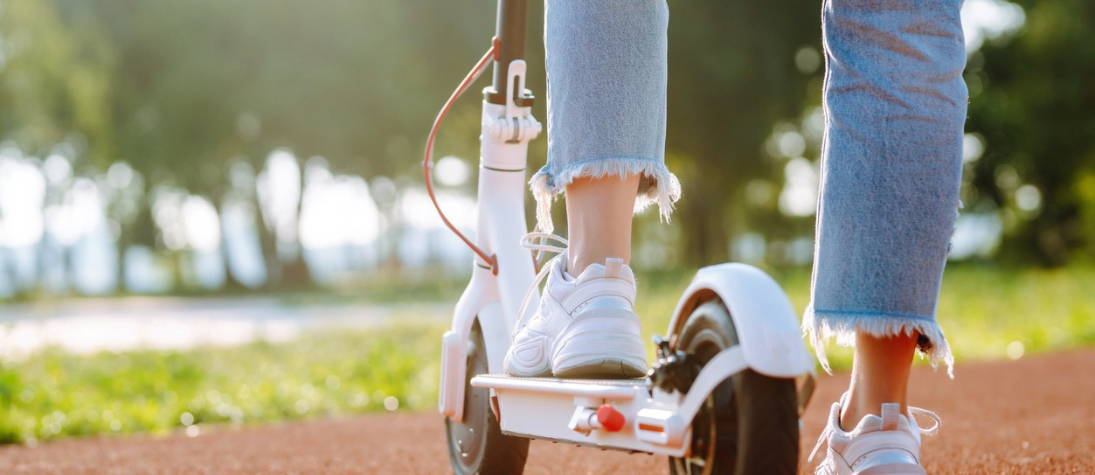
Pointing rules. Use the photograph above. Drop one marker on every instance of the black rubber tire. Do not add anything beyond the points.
(749, 424)
(491, 452)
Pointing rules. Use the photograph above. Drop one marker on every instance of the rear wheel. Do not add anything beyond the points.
(749, 423)
(477, 444)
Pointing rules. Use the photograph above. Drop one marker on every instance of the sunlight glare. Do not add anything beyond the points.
(279, 192)
(22, 193)
(989, 19)
(203, 230)
(452, 171)
(799, 195)
(337, 210)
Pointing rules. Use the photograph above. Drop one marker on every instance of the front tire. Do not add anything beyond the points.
(477, 445)
(749, 423)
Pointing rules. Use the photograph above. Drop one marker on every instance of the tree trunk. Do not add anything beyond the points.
(231, 282)
(7, 266)
(268, 244)
(296, 273)
(704, 218)
(122, 244)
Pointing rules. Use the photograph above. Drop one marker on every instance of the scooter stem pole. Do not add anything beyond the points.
(510, 33)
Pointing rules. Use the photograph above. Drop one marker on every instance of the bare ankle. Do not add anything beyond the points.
(858, 407)
(577, 262)
(599, 213)
(880, 374)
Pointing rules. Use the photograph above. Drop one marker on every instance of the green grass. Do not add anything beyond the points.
(56, 394)
(983, 311)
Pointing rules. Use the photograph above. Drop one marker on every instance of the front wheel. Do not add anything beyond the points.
(477, 445)
(749, 423)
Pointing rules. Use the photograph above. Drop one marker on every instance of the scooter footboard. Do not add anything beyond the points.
(620, 414)
(615, 414)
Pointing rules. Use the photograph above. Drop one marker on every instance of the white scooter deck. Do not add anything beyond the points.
(566, 410)
(646, 418)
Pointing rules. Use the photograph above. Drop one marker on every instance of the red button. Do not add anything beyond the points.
(610, 418)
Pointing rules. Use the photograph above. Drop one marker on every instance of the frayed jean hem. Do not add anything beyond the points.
(657, 185)
(822, 324)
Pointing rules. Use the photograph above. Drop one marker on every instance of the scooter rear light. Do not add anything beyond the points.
(660, 426)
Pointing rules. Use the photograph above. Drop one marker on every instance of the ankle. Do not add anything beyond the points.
(880, 374)
(576, 264)
(858, 407)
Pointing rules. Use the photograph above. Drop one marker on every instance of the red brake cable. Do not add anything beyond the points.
(427, 164)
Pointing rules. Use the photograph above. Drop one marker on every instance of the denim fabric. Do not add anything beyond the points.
(895, 107)
(606, 70)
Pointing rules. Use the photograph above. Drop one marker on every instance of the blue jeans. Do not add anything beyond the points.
(895, 106)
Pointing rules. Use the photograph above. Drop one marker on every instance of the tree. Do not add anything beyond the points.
(732, 75)
(54, 93)
(1032, 98)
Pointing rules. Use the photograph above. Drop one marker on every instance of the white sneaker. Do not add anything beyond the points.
(585, 326)
(878, 445)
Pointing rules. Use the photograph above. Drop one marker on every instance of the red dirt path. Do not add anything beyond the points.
(1036, 415)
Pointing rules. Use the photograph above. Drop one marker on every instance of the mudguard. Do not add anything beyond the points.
(766, 323)
(479, 301)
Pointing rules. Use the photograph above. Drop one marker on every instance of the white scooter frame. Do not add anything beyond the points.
(653, 420)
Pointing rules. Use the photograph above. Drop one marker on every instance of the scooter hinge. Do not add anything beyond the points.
(516, 124)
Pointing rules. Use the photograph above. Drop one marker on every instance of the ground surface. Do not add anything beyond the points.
(1036, 415)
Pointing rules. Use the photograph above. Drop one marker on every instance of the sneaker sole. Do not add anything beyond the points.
(606, 344)
(603, 368)
(894, 469)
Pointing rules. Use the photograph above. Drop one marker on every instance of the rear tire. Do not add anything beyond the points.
(749, 424)
(477, 445)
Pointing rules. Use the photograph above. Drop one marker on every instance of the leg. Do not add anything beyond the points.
(895, 106)
(607, 70)
(606, 64)
(599, 219)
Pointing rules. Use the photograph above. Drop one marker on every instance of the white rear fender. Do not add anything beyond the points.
(766, 323)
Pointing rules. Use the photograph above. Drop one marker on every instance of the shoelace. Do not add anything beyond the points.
(540, 242)
(913, 412)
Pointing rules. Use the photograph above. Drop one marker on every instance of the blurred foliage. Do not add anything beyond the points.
(195, 95)
(1032, 100)
(55, 394)
(1035, 309)
(732, 76)
(55, 81)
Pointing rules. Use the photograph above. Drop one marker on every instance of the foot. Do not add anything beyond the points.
(878, 445)
(585, 326)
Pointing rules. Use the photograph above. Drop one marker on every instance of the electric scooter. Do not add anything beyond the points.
(732, 374)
